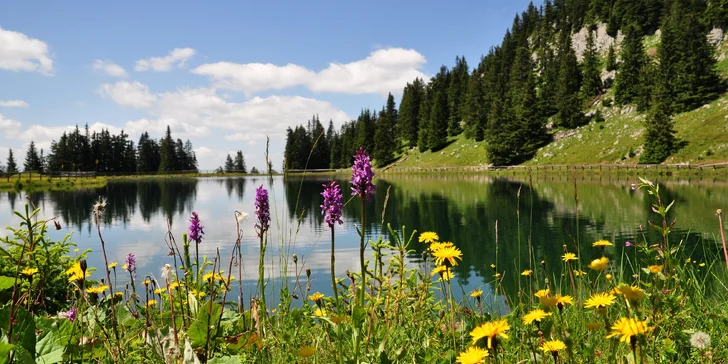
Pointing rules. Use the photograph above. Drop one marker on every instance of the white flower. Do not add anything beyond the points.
(165, 271)
(241, 216)
(700, 340)
(99, 205)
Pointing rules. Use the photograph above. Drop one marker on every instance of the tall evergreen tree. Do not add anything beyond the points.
(439, 111)
(592, 84)
(167, 157)
(568, 102)
(229, 164)
(626, 84)
(687, 57)
(366, 127)
(409, 112)
(475, 108)
(660, 140)
(611, 59)
(12, 166)
(239, 164)
(456, 95)
(32, 160)
(384, 140)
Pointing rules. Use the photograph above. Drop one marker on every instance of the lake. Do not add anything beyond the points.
(465, 209)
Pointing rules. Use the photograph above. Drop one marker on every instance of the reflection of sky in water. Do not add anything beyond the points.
(461, 208)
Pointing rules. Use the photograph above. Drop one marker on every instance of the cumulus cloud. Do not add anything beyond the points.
(384, 70)
(108, 68)
(8, 125)
(133, 94)
(178, 56)
(13, 103)
(18, 52)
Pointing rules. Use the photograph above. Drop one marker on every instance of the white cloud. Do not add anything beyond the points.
(8, 126)
(253, 77)
(13, 103)
(384, 70)
(108, 68)
(18, 52)
(177, 56)
(133, 94)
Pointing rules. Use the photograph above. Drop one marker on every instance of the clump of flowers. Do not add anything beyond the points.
(599, 264)
(195, 229)
(262, 210)
(130, 263)
(362, 175)
(70, 314)
(333, 205)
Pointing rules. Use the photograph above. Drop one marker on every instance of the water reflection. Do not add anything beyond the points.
(512, 223)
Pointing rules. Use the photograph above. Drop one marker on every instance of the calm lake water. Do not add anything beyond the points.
(464, 209)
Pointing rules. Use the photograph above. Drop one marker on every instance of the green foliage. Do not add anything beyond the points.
(409, 112)
(568, 102)
(439, 111)
(385, 137)
(611, 59)
(626, 84)
(592, 84)
(12, 166)
(458, 87)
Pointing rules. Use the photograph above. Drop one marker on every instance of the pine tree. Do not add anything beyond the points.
(568, 103)
(12, 166)
(626, 83)
(384, 140)
(592, 83)
(423, 135)
(475, 110)
(167, 157)
(32, 161)
(611, 59)
(660, 140)
(456, 95)
(409, 112)
(439, 113)
(685, 51)
(229, 164)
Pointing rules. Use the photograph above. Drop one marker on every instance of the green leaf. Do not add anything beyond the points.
(207, 320)
(5, 349)
(23, 329)
(6, 283)
(193, 304)
(48, 350)
(358, 316)
(225, 360)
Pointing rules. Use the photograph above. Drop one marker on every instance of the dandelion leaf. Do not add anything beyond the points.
(6, 283)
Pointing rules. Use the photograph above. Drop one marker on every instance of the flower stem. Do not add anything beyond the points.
(333, 269)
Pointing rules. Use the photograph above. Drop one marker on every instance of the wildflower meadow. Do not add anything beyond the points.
(654, 304)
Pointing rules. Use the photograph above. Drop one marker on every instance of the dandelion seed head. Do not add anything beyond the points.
(700, 340)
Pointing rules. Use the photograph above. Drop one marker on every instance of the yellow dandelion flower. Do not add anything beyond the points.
(527, 273)
(497, 275)
(316, 297)
(602, 243)
(75, 273)
(113, 265)
(579, 273)
(553, 346)
(197, 294)
(476, 294)
(492, 266)
(29, 271)
(599, 264)
(208, 276)
(447, 275)
(439, 269)
(159, 290)
(600, 300)
(654, 269)
(569, 257)
(542, 293)
(429, 237)
(123, 267)
(438, 245)
(97, 289)
(146, 282)
(701, 264)
(535, 316)
(562, 301)
(491, 330)
(448, 254)
(151, 303)
(548, 301)
(627, 328)
(631, 293)
(339, 319)
(319, 313)
(118, 294)
(175, 285)
(473, 355)
(593, 325)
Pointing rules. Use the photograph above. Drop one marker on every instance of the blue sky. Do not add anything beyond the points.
(223, 74)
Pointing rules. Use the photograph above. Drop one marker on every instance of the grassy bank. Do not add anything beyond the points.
(43, 183)
(645, 302)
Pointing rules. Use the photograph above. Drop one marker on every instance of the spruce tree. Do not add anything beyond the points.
(456, 95)
(439, 111)
(229, 164)
(592, 83)
(660, 140)
(239, 163)
(568, 103)
(611, 59)
(32, 161)
(167, 157)
(409, 112)
(12, 166)
(384, 140)
(475, 111)
(626, 83)
(423, 135)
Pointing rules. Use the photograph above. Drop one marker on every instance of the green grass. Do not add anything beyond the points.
(43, 183)
(459, 152)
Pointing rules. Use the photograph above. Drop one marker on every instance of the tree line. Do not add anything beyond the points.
(104, 152)
(532, 83)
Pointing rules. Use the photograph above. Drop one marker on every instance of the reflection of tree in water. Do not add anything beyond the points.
(236, 185)
(167, 196)
(304, 197)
